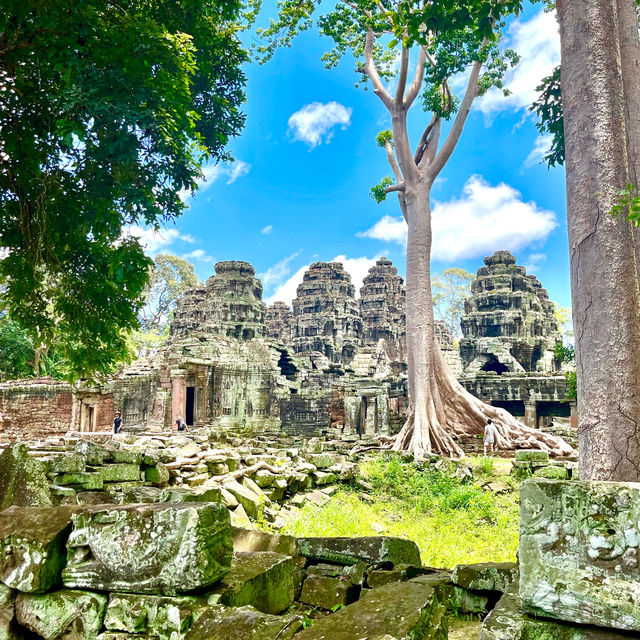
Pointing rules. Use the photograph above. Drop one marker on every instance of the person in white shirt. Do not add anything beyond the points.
(489, 437)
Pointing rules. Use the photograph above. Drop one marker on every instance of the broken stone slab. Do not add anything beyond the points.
(251, 502)
(32, 546)
(579, 545)
(456, 599)
(81, 480)
(532, 455)
(7, 612)
(239, 517)
(552, 473)
(246, 540)
(252, 486)
(262, 579)
(126, 456)
(67, 463)
(199, 494)
(327, 592)
(244, 623)
(170, 548)
(156, 474)
(399, 573)
(164, 617)
(486, 576)
(121, 472)
(93, 453)
(341, 550)
(23, 479)
(401, 611)
(72, 615)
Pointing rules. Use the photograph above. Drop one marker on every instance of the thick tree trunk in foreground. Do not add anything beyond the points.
(440, 408)
(604, 276)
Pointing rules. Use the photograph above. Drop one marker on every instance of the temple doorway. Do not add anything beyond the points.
(189, 410)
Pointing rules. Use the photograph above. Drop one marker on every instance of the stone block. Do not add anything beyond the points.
(347, 551)
(126, 456)
(67, 463)
(262, 579)
(239, 517)
(32, 546)
(251, 502)
(7, 612)
(486, 576)
(579, 552)
(198, 494)
(94, 454)
(170, 548)
(399, 573)
(164, 617)
(65, 614)
(117, 472)
(245, 540)
(532, 455)
(400, 611)
(217, 467)
(244, 623)
(327, 592)
(156, 474)
(23, 479)
(552, 473)
(321, 460)
(82, 480)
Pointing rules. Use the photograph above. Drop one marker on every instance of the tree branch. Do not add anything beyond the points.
(432, 144)
(372, 72)
(402, 78)
(458, 124)
(423, 140)
(391, 159)
(414, 89)
(394, 187)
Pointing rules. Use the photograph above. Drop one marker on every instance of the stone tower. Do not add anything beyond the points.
(231, 305)
(509, 323)
(279, 316)
(382, 308)
(326, 316)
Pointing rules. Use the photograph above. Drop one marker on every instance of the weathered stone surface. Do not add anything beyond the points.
(121, 472)
(399, 573)
(66, 614)
(7, 613)
(251, 502)
(579, 545)
(552, 473)
(532, 455)
(169, 548)
(246, 540)
(352, 550)
(262, 579)
(244, 623)
(327, 592)
(486, 576)
(157, 474)
(23, 480)
(403, 611)
(32, 546)
(164, 617)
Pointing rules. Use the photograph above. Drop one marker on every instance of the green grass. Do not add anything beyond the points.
(451, 522)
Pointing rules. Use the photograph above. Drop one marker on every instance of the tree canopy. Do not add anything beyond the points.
(450, 290)
(108, 111)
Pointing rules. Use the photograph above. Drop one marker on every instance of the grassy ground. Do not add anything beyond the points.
(450, 521)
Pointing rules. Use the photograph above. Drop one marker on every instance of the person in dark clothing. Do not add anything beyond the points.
(117, 423)
(181, 424)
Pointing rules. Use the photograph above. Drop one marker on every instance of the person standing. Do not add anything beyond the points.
(489, 437)
(117, 422)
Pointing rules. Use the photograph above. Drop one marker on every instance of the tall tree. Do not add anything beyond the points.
(598, 88)
(430, 41)
(107, 111)
(450, 289)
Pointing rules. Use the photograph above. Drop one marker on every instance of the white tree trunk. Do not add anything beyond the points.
(604, 277)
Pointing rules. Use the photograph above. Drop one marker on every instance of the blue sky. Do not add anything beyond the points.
(299, 190)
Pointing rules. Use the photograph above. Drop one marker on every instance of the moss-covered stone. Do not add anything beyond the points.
(250, 500)
(93, 453)
(121, 472)
(403, 611)
(552, 473)
(81, 480)
(262, 579)
(327, 592)
(72, 615)
(23, 479)
(7, 613)
(352, 550)
(486, 576)
(154, 548)
(532, 455)
(244, 623)
(199, 494)
(579, 545)
(126, 456)
(399, 573)
(157, 474)
(32, 546)
(67, 463)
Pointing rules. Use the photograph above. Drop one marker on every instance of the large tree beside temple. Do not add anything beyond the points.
(424, 44)
(108, 111)
(600, 81)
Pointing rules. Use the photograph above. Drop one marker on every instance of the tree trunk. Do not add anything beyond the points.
(440, 408)
(604, 277)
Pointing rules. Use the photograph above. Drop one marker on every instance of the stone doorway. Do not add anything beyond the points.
(189, 410)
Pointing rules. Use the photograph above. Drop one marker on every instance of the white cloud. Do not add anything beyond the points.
(483, 220)
(155, 241)
(540, 148)
(357, 268)
(212, 172)
(198, 254)
(286, 291)
(538, 43)
(278, 272)
(267, 230)
(535, 261)
(314, 123)
(237, 170)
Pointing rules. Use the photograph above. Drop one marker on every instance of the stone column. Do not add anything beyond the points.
(531, 414)
(178, 397)
(574, 414)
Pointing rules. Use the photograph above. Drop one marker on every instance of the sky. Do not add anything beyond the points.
(299, 189)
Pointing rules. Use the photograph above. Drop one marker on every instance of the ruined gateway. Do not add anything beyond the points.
(331, 365)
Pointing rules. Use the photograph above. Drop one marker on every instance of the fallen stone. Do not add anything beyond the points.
(32, 546)
(498, 487)
(321, 460)
(486, 576)
(251, 502)
(552, 473)
(94, 454)
(367, 549)
(72, 615)
(170, 548)
(245, 540)
(244, 623)
(199, 494)
(239, 517)
(579, 552)
(403, 611)
(262, 579)
(81, 480)
(252, 486)
(7, 613)
(399, 573)
(117, 472)
(228, 498)
(67, 463)
(532, 455)
(317, 497)
(126, 456)
(326, 592)
(23, 479)
(156, 474)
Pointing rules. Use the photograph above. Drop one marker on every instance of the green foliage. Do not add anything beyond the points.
(628, 204)
(548, 108)
(450, 290)
(379, 193)
(107, 112)
(566, 356)
(383, 137)
(16, 351)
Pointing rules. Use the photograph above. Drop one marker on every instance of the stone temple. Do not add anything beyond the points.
(333, 364)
